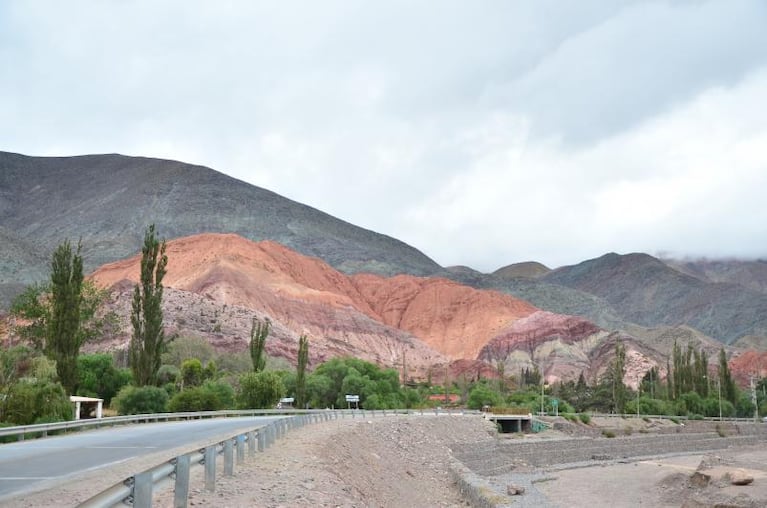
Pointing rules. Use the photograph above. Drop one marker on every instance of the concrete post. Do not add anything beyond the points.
(210, 468)
(181, 490)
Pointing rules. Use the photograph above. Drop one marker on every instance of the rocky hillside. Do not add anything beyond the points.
(216, 283)
(226, 279)
(108, 201)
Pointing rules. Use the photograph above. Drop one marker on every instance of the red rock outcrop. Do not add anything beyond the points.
(453, 319)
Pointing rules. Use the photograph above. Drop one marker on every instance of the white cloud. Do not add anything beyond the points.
(482, 134)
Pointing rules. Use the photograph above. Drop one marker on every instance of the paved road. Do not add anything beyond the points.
(29, 463)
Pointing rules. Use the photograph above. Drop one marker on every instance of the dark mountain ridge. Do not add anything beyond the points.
(646, 291)
(108, 201)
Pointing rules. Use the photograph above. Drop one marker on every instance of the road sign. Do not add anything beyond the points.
(554, 402)
(352, 398)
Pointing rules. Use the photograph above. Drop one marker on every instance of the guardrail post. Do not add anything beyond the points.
(241, 449)
(251, 443)
(181, 490)
(261, 440)
(210, 468)
(142, 490)
(228, 458)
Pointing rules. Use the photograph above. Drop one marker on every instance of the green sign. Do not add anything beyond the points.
(554, 402)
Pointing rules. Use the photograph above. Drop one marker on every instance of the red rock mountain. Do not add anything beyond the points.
(418, 321)
(216, 284)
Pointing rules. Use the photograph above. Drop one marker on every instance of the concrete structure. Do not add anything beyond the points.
(512, 423)
(87, 403)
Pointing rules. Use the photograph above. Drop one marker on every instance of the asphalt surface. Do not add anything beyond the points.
(25, 464)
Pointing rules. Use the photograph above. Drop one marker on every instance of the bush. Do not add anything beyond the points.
(675, 420)
(585, 418)
(481, 395)
(196, 398)
(260, 390)
(98, 377)
(570, 417)
(223, 391)
(720, 431)
(134, 400)
(608, 433)
(28, 401)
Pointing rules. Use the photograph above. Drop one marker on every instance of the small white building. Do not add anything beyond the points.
(88, 404)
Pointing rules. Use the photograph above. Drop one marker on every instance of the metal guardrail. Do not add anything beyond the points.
(42, 429)
(139, 489)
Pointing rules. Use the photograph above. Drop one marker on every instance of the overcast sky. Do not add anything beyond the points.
(481, 132)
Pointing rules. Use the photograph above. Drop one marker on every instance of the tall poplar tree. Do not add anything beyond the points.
(303, 360)
(63, 337)
(148, 341)
(619, 370)
(258, 333)
(726, 383)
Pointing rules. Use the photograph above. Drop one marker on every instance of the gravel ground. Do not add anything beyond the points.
(393, 461)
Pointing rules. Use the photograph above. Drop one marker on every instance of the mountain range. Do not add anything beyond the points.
(370, 293)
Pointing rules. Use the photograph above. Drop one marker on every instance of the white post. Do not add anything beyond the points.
(77, 410)
(99, 409)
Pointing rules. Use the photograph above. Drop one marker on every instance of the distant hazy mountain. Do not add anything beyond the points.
(109, 200)
(647, 291)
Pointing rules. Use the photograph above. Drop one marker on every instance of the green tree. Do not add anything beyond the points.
(258, 333)
(191, 373)
(303, 360)
(260, 390)
(482, 395)
(63, 330)
(33, 310)
(618, 372)
(99, 377)
(729, 390)
(148, 341)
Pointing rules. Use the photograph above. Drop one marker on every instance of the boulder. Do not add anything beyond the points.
(515, 490)
(738, 477)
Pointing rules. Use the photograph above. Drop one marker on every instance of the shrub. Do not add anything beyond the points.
(675, 420)
(695, 417)
(646, 420)
(481, 395)
(196, 398)
(168, 374)
(223, 391)
(585, 418)
(28, 401)
(608, 433)
(628, 431)
(260, 390)
(570, 417)
(720, 431)
(98, 377)
(134, 400)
